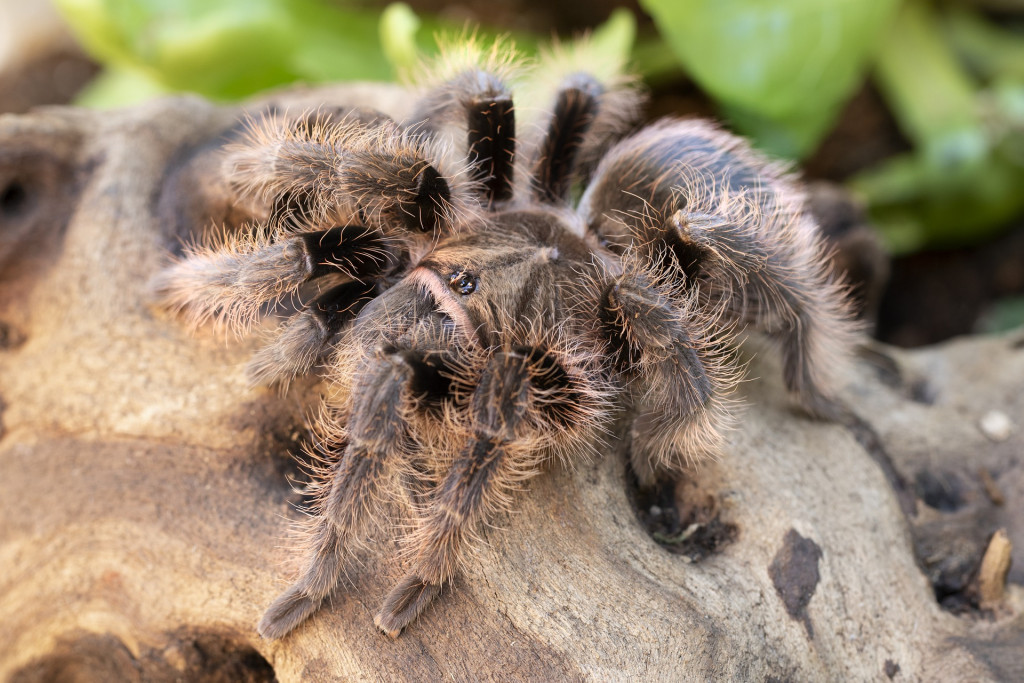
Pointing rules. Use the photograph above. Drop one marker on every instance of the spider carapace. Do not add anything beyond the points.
(485, 302)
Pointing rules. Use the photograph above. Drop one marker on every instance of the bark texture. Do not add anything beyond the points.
(145, 494)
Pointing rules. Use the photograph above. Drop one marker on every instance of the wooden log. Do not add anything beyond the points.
(145, 496)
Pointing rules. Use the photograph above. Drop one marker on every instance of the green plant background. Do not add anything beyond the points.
(780, 72)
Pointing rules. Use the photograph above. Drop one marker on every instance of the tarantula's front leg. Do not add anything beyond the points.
(477, 99)
(587, 117)
(308, 337)
(230, 281)
(395, 180)
(518, 392)
(388, 388)
(676, 373)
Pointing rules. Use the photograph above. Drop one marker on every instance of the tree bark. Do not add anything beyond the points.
(146, 492)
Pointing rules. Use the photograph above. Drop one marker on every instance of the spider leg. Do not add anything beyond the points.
(594, 106)
(366, 169)
(295, 209)
(813, 323)
(378, 434)
(730, 225)
(308, 337)
(491, 134)
(230, 282)
(391, 178)
(782, 285)
(576, 107)
(479, 100)
(519, 391)
(675, 371)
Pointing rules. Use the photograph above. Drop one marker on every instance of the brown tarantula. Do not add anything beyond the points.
(476, 321)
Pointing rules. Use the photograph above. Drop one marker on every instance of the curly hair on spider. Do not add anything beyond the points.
(482, 302)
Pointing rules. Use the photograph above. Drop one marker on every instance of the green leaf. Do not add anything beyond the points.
(962, 183)
(787, 65)
(230, 48)
(398, 27)
(118, 88)
(929, 91)
(615, 37)
(1004, 315)
(791, 137)
(654, 60)
(604, 52)
(915, 203)
(989, 49)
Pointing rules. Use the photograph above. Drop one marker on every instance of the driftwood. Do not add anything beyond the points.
(146, 492)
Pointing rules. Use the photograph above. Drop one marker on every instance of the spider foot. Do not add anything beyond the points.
(404, 603)
(289, 610)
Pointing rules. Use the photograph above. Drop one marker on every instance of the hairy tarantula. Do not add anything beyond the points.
(476, 320)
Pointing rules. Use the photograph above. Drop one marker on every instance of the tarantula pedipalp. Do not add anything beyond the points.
(474, 324)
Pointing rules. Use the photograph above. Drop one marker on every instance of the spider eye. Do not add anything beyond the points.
(462, 282)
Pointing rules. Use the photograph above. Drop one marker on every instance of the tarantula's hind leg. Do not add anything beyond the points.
(717, 217)
(387, 390)
(589, 114)
(770, 269)
(521, 394)
(678, 375)
(815, 328)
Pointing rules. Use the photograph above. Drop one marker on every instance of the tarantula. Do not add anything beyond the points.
(476, 317)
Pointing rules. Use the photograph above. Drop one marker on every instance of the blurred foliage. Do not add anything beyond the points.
(229, 49)
(225, 49)
(1003, 315)
(953, 84)
(780, 70)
